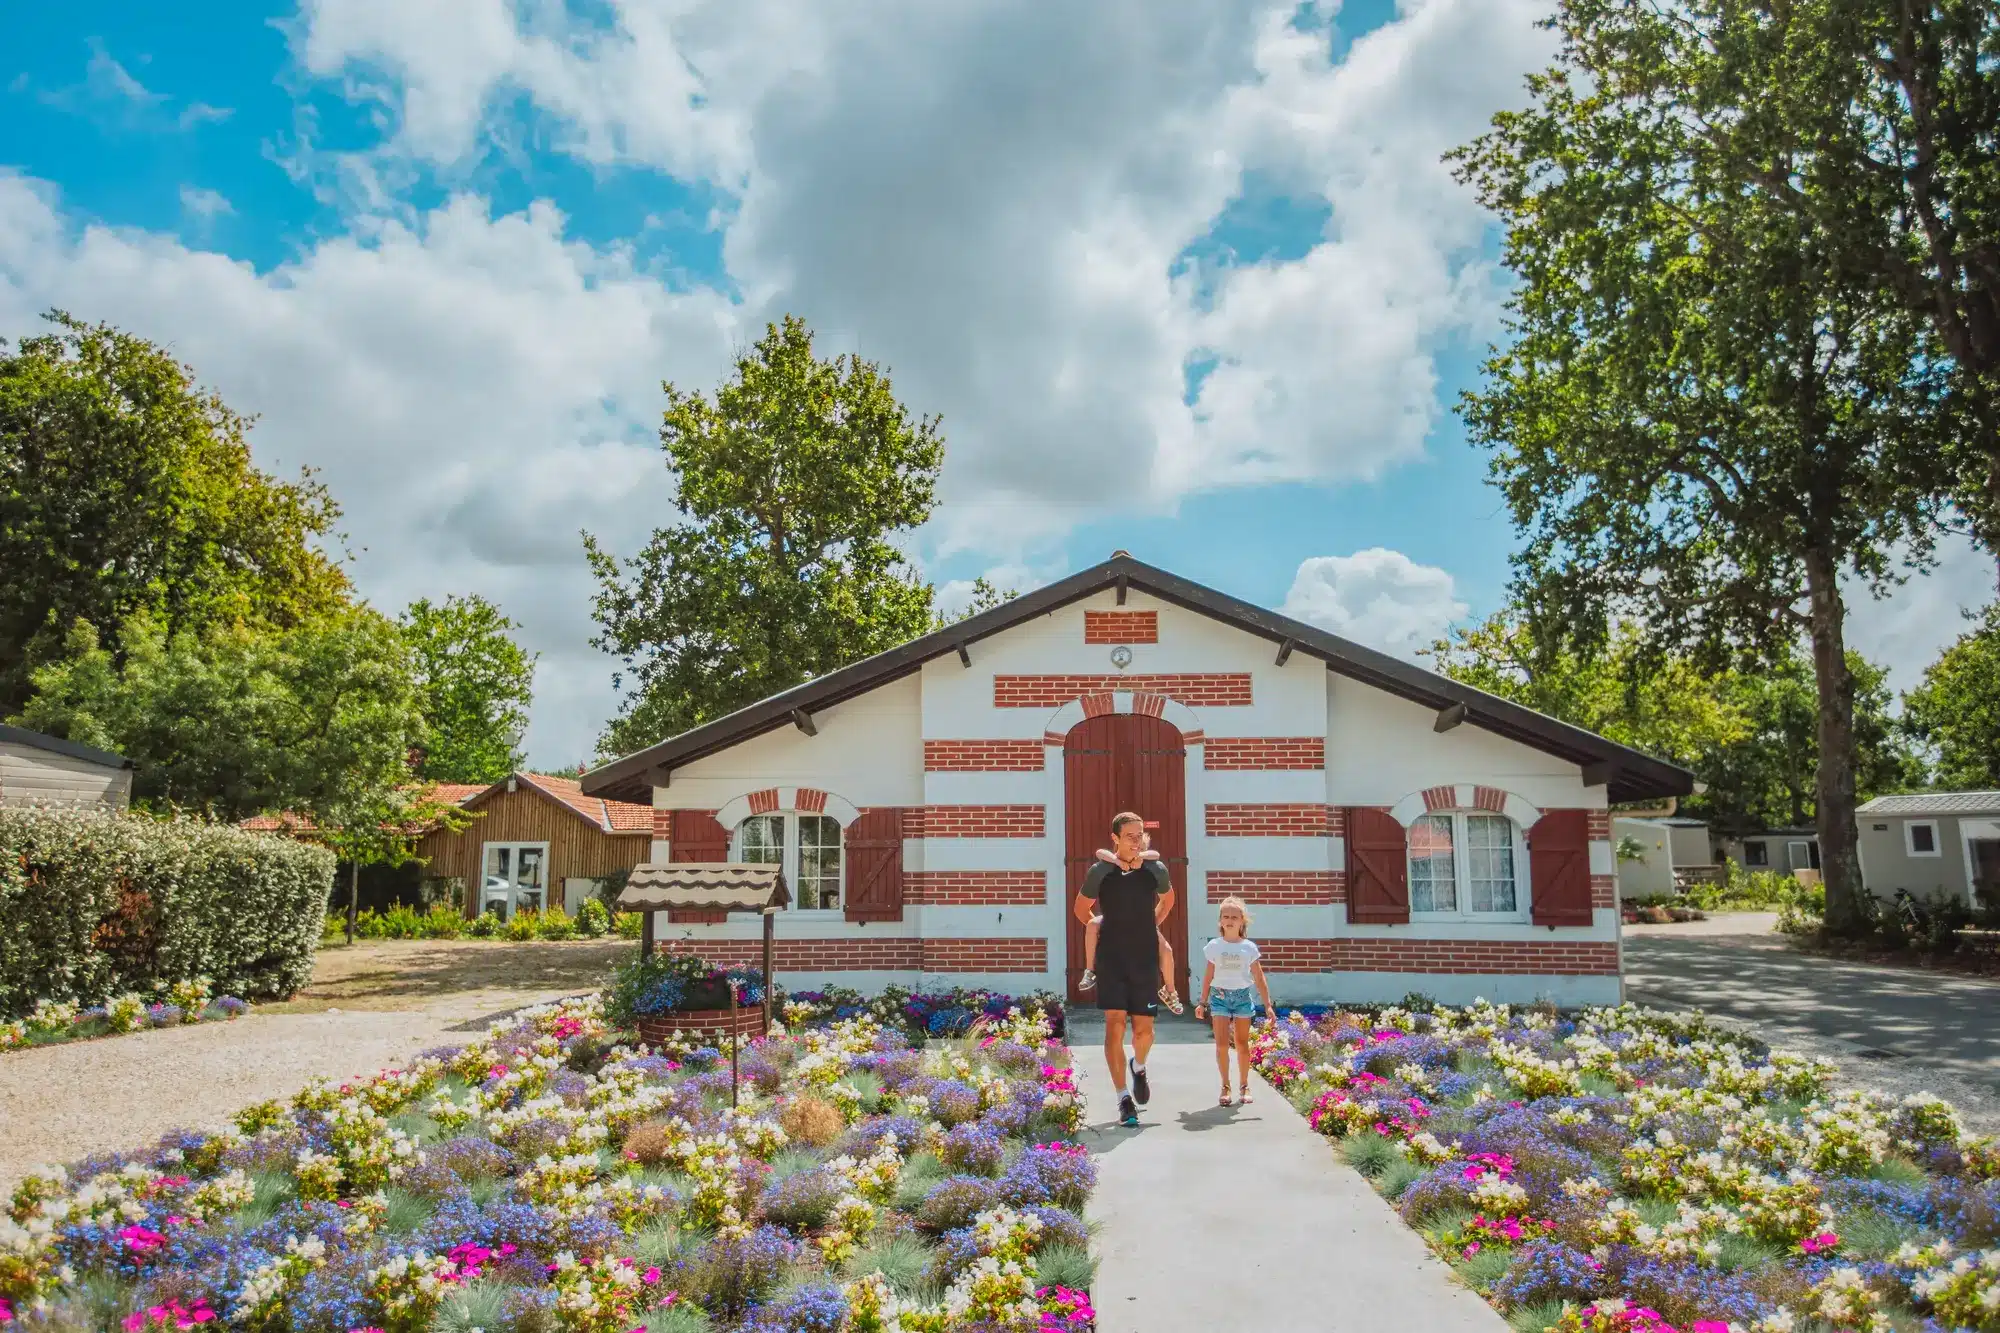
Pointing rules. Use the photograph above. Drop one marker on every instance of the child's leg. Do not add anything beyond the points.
(1221, 1028)
(1090, 943)
(1166, 961)
(1242, 1026)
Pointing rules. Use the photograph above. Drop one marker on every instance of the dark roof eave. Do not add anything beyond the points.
(57, 745)
(1634, 776)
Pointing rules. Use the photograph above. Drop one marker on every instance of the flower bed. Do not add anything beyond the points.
(54, 1021)
(547, 1178)
(1634, 1170)
(923, 1014)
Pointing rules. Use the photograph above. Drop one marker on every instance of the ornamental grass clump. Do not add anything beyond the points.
(545, 1178)
(1620, 1169)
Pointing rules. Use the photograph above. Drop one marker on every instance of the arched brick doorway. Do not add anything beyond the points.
(1125, 761)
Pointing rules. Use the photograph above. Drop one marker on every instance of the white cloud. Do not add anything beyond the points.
(474, 390)
(113, 96)
(992, 202)
(204, 205)
(1376, 597)
(1908, 629)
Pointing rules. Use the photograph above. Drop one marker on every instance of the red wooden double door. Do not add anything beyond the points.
(1116, 762)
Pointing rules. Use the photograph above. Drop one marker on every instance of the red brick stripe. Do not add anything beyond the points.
(980, 821)
(1276, 820)
(1278, 888)
(1440, 798)
(943, 756)
(1196, 689)
(1096, 705)
(1489, 798)
(1121, 626)
(1465, 957)
(987, 955)
(1604, 890)
(1442, 957)
(1264, 752)
(764, 802)
(809, 798)
(975, 888)
(1150, 705)
(813, 955)
(1597, 823)
(663, 824)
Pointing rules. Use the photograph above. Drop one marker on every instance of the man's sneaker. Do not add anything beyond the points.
(1128, 1112)
(1142, 1090)
(1088, 981)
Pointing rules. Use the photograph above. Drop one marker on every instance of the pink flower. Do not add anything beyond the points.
(650, 1276)
(6, 1311)
(1820, 1244)
(142, 1240)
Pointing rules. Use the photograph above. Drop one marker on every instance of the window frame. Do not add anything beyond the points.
(789, 855)
(1762, 861)
(513, 876)
(1910, 827)
(1461, 865)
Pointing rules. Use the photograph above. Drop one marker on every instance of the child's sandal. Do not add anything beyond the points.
(1171, 998)
(1088, 981)
(1224, 1099)
(1243, 1095)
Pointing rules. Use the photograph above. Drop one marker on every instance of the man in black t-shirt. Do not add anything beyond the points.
(1132, 896)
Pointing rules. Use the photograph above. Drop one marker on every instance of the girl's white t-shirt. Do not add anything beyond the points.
(1232, 959)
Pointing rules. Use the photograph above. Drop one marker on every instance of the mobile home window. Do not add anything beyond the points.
(1756, 854)
(1920, 838)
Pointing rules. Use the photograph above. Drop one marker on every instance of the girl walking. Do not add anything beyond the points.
(1227, 996)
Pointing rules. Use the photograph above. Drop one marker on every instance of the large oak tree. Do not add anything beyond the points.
(793, 478)
(1702, 423)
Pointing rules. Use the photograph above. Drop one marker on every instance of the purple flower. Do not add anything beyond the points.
(975, 1148)
(955, 1201)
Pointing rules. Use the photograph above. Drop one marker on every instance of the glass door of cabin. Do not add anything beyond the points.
(515, 878)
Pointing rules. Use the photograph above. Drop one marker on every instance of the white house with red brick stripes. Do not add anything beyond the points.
(936, 806)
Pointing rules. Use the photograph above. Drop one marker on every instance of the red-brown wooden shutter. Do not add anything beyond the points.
(1378, 868)
(1559, 868)
(873, 848)
(694, 835)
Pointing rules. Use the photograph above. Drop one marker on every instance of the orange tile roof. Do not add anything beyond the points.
(611, 816)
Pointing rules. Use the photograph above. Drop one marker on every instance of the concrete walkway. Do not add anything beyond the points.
(1242, 1218)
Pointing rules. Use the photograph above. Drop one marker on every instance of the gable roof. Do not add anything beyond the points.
(1630, 775)
(57, 745)
(1934, 803)
(613, 817)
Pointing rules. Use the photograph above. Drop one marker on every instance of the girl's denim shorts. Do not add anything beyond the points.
(1233, 1003)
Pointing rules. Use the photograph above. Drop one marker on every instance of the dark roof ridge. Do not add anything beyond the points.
(1630, 774)
(57, 745)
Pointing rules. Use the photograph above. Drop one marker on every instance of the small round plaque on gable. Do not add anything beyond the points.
(1121, 657)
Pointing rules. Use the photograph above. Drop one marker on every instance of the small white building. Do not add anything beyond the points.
(1668, 849)
(936, 806)
(1934, 844)
(45, 770)
(1781, 850)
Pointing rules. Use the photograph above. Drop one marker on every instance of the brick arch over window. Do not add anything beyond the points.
(1171, 711)
(1466, 796)
(811, 800)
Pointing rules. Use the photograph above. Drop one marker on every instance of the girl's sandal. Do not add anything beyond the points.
(1171, 998)
(1223, 1100)
(1243, 1095)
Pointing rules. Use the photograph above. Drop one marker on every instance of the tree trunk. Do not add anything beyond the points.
(1839, 858)
(353, 896)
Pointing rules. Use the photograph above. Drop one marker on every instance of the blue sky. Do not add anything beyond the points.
(1189, 282)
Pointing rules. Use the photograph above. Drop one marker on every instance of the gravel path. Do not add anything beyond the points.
(369, 1008)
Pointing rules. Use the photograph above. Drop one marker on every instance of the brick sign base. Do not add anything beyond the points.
(702, 1022)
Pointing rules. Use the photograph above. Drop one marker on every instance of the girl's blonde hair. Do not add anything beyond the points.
(1233, 901)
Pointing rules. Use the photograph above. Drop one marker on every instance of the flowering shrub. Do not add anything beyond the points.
(924, 1015)
(95, 904)
(546, 1177)
(1647, 1172)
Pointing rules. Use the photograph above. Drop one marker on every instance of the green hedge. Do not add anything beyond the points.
(94, 905)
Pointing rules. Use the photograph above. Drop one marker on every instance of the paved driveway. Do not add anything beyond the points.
(1892, 1017)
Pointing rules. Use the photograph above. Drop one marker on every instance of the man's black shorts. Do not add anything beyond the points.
(1134, 992)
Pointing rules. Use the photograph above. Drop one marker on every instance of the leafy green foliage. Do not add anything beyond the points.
(125, 488)
(94, 904)
(474, 683)
(1703, 422)
(232, 721)
(1956, 708)
(985, 596)
(793, 477)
